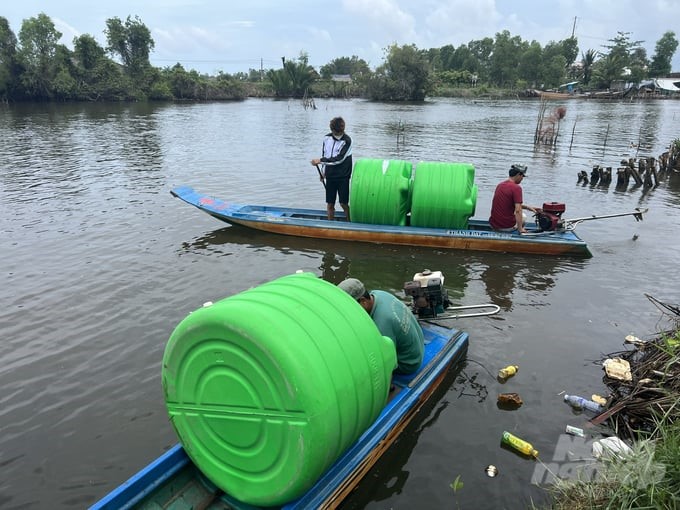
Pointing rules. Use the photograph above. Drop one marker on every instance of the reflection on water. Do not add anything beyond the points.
(339, 259)
(334, 268)
(500, 282)
(503, 275)
(72, 150)
(388, 477)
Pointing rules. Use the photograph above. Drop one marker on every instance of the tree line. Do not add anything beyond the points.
(35, 67)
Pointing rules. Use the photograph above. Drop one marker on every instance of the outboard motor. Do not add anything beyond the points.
(550, 218)
(428, 293)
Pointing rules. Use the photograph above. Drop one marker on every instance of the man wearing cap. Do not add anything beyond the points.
(506, 207)
(394, 320)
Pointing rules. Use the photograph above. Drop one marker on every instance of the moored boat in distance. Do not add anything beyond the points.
(313, 223)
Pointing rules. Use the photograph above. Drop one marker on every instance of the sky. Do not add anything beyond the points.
(233, 36)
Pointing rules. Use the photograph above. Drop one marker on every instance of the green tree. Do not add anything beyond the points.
(663, 55)
(464, 59)
(446, 58)
(553, 57)
(587, 62)
(530, 64)
(638, 65)
(87, 51)
(281, 82)
(405, 76)
(623, 52)
(39, 39)
(65, 85)
(90, 60)
(553, 72)
(569, 49)
(132, 42)
(8, 60)
(505, 58)
(454, 78)
(354, 66)
(182, 84)
(608, 69)
(301, 77)
(481, 53)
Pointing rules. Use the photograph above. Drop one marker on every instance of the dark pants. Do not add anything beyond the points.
(339, 188)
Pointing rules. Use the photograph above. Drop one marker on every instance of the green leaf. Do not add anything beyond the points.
(456, 484)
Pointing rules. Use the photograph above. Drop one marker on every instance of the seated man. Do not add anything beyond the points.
(394, 320)
(506, 207)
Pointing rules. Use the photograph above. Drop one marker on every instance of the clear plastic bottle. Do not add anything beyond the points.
(583, 403)
(508, 371)
(519, 444)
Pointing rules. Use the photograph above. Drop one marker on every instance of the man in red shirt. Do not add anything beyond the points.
(506, 207)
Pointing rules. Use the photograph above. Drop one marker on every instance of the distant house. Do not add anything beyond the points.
(661, 86)
(341, 85)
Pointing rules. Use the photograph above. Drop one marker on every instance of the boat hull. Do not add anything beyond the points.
(312, 223)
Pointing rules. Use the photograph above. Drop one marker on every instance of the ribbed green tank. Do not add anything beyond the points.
(267, 388)
(380, 191)
(444, 195)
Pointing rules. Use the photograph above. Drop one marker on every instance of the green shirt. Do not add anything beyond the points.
(396, 321)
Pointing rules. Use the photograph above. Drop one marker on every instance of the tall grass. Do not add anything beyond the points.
(647, 478)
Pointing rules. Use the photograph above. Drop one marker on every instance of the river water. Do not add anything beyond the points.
(100, 263)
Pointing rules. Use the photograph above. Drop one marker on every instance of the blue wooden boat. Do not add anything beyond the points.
(313, 223)
(173, 481)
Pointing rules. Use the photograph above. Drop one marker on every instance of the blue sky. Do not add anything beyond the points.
(212, 36)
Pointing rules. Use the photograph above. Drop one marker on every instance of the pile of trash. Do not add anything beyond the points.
(644, 382)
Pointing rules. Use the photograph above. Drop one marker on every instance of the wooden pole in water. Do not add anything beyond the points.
(606, 135)
(539, 121)
(572, 133)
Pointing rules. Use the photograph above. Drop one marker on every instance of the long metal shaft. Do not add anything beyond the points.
(571, 224)
(493, 309)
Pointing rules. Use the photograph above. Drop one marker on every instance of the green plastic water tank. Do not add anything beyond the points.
(380, 191)
(444, 195)
(267, 388)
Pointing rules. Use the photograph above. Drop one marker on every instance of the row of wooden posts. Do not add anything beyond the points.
(644, 172)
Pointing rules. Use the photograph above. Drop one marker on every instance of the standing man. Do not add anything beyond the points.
(337, 166)
(506, 207)
(394, 320)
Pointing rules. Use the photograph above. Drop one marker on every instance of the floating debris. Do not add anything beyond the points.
(491, 470)
(510, 400)
(617, 368)
(574, 431)
(654, 386)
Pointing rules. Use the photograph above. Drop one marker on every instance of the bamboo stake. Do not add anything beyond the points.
(572, 133)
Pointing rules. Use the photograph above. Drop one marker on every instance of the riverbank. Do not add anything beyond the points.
(643, 411)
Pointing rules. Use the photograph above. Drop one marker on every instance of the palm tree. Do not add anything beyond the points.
(588, 59)
(301, 76)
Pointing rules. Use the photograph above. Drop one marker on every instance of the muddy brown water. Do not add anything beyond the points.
(100, 263)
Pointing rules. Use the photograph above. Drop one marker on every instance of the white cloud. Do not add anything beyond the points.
(196, 31)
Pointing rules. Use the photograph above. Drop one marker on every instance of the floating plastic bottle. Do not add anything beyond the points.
(575, 431)
(519, 444)
(508, 371)
(583, 403)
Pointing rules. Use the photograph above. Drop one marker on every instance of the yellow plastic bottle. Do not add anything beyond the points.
(519, 444)
(508, 371)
